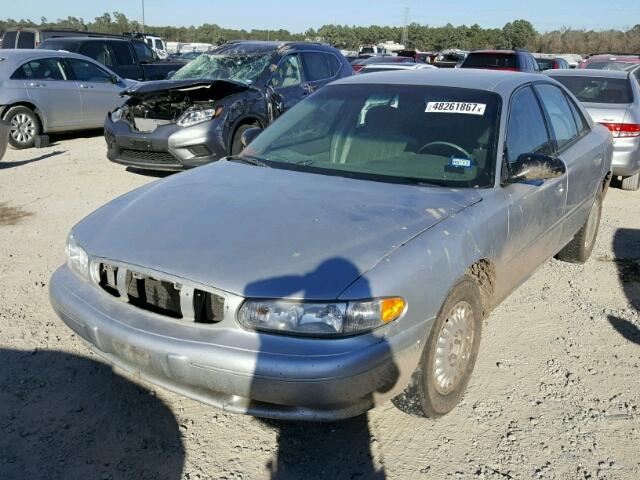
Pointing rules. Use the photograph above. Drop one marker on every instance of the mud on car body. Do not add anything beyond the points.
(350, 253)
(199, 115)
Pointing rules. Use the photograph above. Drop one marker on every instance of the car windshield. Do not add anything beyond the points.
(598, 89)
(244, 68)
(407, 134)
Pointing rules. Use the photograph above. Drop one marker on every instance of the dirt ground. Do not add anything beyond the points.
(555, 393)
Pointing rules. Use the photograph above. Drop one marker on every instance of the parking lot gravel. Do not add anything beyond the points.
(555, 393)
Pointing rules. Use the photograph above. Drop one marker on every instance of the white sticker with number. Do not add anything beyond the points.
(456, 107)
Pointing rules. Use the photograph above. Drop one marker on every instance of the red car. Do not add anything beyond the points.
(626, 62)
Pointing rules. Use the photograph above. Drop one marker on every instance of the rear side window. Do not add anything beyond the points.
(122, 53)
(27, 40)
(526, 132)
(335, 65)
(316, 66)
(598, 89)
(9, 39)
(559, 112)
(490, 60)
(41, 69)
(99, 51)
(145, 54)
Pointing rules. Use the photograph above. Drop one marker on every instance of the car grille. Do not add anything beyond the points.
(146, 156)
(157, 295)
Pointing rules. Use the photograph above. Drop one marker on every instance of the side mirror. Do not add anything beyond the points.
(249, 135)
(535, 166)
(114, 79)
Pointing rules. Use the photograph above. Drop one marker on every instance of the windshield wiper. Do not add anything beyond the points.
(248, 159)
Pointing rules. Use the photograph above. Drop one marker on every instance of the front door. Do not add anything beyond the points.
(285, 86)
(536, 208)
(98, 93)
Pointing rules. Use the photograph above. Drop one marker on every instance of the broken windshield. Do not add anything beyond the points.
(244, 68)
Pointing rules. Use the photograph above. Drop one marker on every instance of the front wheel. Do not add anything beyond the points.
(24, 126)
(236, 144)
(449, 356)
(579, 249)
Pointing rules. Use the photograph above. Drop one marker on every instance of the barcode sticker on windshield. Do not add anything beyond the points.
(456, 107)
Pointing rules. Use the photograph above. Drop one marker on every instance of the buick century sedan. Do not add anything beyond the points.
(350, 254)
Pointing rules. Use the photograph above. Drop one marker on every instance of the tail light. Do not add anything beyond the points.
(623, 130)
(357, 68)
(555, 65)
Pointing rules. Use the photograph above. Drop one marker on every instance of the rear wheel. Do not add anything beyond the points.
(24, 126)
(579, 249)
(449, 356)
(632, 182)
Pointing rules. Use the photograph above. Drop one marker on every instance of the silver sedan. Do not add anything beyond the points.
(351, 253)
(612, 98)
(43, 91)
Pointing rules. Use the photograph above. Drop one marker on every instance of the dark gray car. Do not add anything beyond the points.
(350, 254)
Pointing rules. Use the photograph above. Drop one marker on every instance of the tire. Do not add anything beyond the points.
(579, 249)
(236, 144)
(24, 126)
(631, 183)
(435, 388)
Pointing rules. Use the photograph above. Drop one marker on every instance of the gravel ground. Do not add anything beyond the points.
(555, 392)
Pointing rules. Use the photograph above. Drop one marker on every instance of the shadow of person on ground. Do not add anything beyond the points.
(68, 417)
(626, 249)
(19, 163)
(335, 450)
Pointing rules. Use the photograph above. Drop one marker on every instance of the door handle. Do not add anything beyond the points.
(560, 189)
(36, 84)
(84, 85)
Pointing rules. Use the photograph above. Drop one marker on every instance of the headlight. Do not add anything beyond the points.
(117, 114)
(77, 258)
(319, 318)
(195, 116)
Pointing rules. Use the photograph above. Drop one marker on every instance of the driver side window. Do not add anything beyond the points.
(527, 131)
(287, 74)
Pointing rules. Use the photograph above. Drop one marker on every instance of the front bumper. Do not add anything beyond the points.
(626, 156)
(168, 147)
(236, 370)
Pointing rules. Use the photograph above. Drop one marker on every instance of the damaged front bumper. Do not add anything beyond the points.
(168, 147)
(240, 371)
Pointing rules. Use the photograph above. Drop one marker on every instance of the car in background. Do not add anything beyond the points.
(624, 62)
(612, 98)
(188, 56)
(573, 59)
(389, 67)
(129, 57)
(350, 254)
(360, 63)
(200, 114)
(449, 58)
(26, 37)
(45, 91)
(553, 63)
(510, 60)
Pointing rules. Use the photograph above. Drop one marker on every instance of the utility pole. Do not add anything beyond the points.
(405, 29)
(142, 16)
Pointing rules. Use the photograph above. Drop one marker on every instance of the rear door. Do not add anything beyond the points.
(98, 94)
(51, 89)
(319, 69)
(536, 208)
(582, 153)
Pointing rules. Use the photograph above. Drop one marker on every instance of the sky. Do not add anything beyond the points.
(298, 15)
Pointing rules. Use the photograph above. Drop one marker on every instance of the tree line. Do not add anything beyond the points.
(516, 34)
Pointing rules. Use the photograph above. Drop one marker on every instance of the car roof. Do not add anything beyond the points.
(614, 58)
(587, 72)
(501, 82)
(93, 39)
(496, 51)
(11, 59)
(266, 46)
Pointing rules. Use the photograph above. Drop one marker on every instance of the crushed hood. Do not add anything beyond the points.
(225, 87)
(265, 232)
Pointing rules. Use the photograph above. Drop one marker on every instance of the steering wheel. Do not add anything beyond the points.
(446, 144)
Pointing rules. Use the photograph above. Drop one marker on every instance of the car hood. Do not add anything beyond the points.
(226, 87)
(265, 232)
